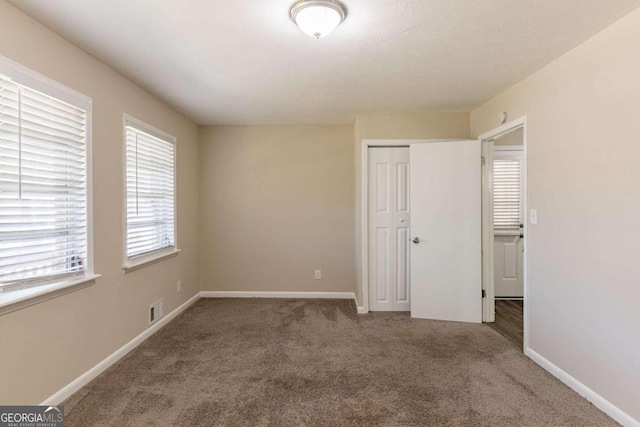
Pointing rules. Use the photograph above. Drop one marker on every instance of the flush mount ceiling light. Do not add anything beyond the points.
(317, 18)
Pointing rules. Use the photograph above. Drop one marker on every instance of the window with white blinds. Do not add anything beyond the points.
(43, 187)
(507, 194)
(150, 191)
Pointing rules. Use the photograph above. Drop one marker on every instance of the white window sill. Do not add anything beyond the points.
(142, 261)
(16, 300)
(507, 232)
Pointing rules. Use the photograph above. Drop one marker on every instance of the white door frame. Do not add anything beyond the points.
(488, 306)
(364, 214)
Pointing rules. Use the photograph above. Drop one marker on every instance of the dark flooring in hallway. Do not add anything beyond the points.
(509, 320)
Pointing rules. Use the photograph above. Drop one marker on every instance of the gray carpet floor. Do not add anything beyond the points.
(247, 362)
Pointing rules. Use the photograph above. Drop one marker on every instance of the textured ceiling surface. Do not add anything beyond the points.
(245, 62)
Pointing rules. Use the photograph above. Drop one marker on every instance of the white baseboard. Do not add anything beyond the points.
(361, 309)
(296, 295)
(600, 402)
(84, 379)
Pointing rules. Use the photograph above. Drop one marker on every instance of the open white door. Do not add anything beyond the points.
(445, 206)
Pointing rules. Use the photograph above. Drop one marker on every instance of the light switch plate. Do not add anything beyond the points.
(533, 216)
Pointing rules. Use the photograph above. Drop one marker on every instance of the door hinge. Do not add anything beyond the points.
(482, 161)
(484, 293)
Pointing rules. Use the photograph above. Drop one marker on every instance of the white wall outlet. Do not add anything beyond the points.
(533, 216)
(156, 311)
(318, 274)
(179, 286)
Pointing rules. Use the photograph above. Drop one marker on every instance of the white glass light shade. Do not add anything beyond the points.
(317, 18)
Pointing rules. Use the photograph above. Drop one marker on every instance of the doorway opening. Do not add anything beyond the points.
(504, 230)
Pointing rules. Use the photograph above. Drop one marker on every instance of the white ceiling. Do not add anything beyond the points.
(245, 62)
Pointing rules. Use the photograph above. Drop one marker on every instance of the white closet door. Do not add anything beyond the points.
(389, 229)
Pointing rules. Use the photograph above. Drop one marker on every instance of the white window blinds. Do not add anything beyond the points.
(43, 188)
(150, 192)
(506, 194)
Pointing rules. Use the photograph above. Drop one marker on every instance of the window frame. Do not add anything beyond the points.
(19, 298)
(139, 261)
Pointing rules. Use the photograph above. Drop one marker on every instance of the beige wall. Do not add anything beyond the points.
(277, 204)
(584, 180)
(408, 125)
(46, 346)
(513, 138)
